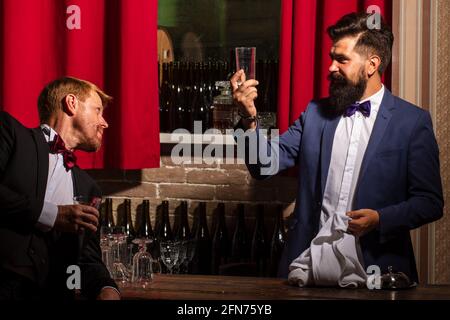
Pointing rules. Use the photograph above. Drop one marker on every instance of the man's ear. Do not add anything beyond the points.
(70, 104)
(374, 63)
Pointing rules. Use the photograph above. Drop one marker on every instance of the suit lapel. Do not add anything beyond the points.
(326, 147)
(76, 184)
(379, 128)
(42, 163)
(77, 191)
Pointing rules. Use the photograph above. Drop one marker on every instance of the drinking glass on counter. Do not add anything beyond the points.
(182, 257)
(113, 242)
(170, 251)
(143, 264)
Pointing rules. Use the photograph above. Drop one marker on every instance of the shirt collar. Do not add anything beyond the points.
(48, 131)
(375, 99)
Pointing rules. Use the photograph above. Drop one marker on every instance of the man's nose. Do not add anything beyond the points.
(103, 123)
(333, 67)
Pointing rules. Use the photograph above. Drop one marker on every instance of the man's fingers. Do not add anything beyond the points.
(353, 230)
(237, 78)
(91, 210)
(249, 91)
(356, 223)
(355, 214)
(87, 226)
(353, 226)
(247, 84)
(252, 96)
(89, 218)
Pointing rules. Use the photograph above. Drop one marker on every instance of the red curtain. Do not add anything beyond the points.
(305, 47)
(115, 48)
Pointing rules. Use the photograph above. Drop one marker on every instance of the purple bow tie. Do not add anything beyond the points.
(364, 108)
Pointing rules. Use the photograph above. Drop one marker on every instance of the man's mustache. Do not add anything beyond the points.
(336, 77)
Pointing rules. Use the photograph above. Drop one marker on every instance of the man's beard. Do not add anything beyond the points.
(343, 92)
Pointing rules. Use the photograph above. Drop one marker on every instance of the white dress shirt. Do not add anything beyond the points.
(334, 257)
(59, 189)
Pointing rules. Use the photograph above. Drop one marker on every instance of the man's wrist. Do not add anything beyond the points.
(247, 116)
(46, 220)
(248, 121)
(249, 124)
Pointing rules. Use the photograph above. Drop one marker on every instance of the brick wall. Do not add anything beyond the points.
(229, 183)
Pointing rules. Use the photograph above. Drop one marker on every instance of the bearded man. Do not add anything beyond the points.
(368, 166)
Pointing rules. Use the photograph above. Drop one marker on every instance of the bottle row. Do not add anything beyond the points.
(191, 92)
(216, 252)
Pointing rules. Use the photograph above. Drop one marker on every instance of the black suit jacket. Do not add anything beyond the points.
(41, 257)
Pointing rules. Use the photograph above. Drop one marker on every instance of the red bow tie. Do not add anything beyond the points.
(58, 146)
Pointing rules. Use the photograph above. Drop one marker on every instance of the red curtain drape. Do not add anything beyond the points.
(114, 48)
(305, 47)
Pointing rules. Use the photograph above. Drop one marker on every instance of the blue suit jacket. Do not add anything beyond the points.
(399, 178)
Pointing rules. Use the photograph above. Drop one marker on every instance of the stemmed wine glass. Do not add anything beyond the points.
(181, 256)
(170, 251)
(143, 263)
(117, 241)
(190, 246)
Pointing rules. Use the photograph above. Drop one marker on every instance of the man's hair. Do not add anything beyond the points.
(370, 40)
(52, 96)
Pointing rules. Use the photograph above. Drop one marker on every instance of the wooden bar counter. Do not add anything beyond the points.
(198, 287)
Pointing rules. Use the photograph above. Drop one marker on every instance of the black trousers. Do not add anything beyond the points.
(15, 287)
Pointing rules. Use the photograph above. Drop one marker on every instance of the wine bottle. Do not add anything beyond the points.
(107, 220)
(178, 97)
(127, 222)
(240, 246)
(203, 102)
(165, 103)
(188, 94)
(195, 84)
(259, 243)
(165, 231)
(182, 231)
(220, 243)
(277, 243)
(202, 257)
(144, 226)
(144, 223)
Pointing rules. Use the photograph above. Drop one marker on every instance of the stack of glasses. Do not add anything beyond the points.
(129, 266)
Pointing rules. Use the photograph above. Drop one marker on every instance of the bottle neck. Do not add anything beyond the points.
(202, 229)
(146, 219)
(109, 222)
